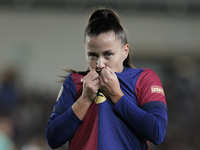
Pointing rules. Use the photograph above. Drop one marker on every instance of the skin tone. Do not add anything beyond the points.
(105, 52)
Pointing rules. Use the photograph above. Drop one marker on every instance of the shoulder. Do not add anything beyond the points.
(140, 74)
(148, 76)
(149, 88)
(134, 74)
(130, 73)
(148, 72)
(77, 80)
(74, 77)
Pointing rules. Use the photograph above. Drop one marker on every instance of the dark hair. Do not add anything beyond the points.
(104, 20)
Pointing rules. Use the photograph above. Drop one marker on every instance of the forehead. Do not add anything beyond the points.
(110, 36)
(104, 40)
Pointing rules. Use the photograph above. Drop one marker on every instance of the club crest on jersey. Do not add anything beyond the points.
(157, 89)
(60, 92)
(100, 98)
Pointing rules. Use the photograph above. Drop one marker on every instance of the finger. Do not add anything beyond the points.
(106, 75)
(95, 82)
(101, 80)
(105, 72)
(110, 70)
(92, 75)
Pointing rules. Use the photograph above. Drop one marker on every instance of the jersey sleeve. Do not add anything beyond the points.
(149, 91)
(148, 119)
(63, 123)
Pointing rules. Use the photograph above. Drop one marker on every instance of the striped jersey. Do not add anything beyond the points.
(138, 117)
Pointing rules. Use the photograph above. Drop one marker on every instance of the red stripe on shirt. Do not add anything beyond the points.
(148, 79)
(85, 137)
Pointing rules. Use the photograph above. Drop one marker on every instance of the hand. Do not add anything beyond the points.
(90, 89)
(90, 85)
(109, 85)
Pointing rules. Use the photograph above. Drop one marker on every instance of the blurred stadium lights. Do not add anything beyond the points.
(160, 5)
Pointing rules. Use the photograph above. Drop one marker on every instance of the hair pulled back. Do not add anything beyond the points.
(104, 20)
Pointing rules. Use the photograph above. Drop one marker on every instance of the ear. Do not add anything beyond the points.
(126, 51)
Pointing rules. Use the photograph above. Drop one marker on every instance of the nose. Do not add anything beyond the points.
(100, 63)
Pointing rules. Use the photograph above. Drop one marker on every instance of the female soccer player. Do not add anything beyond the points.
(112, 105)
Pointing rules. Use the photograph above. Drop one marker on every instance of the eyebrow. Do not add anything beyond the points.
(107, 51)
(93, 53)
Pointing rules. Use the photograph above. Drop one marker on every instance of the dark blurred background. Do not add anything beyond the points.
(38, 37)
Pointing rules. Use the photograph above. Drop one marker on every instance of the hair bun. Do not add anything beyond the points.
(104, 13)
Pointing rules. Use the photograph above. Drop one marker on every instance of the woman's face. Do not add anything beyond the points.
(105, 50)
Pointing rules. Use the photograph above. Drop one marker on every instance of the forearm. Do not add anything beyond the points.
(61, 128)
(80, 107)
(151, 125)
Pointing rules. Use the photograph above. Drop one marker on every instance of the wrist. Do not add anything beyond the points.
(116, 98)
(84, 100)
(80, 107)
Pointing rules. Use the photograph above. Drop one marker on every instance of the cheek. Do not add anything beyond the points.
(119, 58)
(118, 62)
(91, 64)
